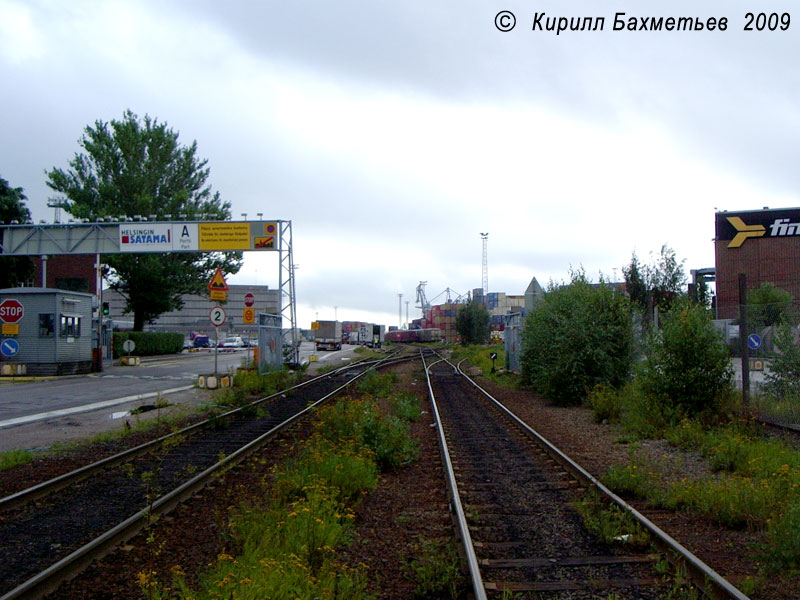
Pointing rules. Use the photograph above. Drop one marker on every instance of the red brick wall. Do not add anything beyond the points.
(773, 260)
(66, 266)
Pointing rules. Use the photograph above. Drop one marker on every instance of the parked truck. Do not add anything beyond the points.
(328, 335)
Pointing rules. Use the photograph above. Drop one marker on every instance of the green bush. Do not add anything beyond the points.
(148, 343)
(687, 365)
(577, 337)
(606, 403)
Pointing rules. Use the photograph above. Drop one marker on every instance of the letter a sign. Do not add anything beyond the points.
(218, 287)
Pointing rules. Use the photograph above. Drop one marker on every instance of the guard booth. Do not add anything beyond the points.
(46, 331)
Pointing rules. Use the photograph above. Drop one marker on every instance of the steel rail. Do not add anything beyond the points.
(702, 574)
(45, 488)
(455, 498)
(68, 567)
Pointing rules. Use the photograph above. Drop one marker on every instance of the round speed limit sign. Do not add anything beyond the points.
(217, 316)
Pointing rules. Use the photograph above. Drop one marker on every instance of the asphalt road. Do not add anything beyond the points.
(156, 375)
(37, 412)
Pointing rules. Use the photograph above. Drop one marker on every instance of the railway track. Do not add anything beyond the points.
(511, 492)
(52, 531)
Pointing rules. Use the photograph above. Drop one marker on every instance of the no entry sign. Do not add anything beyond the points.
(11, 310)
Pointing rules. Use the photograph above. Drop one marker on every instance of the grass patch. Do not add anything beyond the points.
(14, 458)
(478, 356)
(406, 406)
(376, 384)
(635, 480)
(754, 483)
(785, 409)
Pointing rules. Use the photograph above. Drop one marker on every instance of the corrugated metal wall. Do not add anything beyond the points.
(513, 341)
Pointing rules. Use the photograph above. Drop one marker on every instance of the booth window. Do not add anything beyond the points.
(70, 326)
(47, 325)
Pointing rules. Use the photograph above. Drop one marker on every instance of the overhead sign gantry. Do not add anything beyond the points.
(138, 235)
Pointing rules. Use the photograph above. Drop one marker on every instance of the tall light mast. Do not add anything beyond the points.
(485, 265)
(399, 311)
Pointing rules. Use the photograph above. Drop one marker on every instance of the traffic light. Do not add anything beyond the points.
(105, 309)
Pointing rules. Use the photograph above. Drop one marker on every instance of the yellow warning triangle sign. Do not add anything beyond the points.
(218, 282)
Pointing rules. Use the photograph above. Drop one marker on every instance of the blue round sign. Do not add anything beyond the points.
(9, 347)
(754, 341)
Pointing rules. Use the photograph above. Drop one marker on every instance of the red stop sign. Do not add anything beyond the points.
(11, 310)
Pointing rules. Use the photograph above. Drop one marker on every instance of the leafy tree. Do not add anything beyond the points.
(578, 336)
(687, 365)
(636, 283)
(657, 284)
(137, 167)
(767, 305)
(702, 293)
(472, 324)
(666, 278)
(14, 270)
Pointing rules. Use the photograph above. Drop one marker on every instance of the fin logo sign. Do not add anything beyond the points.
(767, 224)
(744, 231)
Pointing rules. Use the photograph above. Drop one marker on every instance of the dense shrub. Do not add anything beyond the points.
(148, 343)
(577, 337)
(687, 365)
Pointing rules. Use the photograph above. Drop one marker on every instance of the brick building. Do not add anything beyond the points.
(73, 272)
(762, 244)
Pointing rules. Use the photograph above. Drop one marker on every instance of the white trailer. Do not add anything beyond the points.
(328, 335)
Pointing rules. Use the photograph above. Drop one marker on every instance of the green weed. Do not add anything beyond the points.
(610, 523)
(286, 545)
(435, 569)
(406, 407)
(782, 550)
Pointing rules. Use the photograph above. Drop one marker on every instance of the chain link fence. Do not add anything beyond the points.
(771, 334)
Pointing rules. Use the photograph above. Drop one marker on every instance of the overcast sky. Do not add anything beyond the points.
(392, 134)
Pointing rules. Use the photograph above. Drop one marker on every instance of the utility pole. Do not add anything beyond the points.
(743, 340)
(407, 323)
